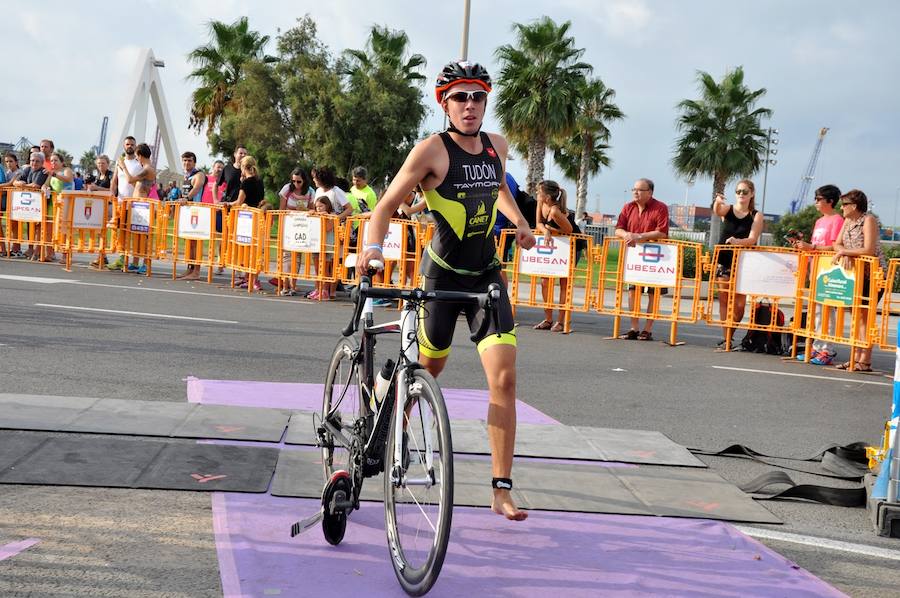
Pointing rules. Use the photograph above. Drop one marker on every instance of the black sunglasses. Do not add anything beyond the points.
(478, 96)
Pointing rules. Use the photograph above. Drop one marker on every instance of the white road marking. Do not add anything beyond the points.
(40, 279)
(873, 551)
(242, 295)
(135, 313)
(854, 380)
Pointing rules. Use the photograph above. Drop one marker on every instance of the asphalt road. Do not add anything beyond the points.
(102, 542)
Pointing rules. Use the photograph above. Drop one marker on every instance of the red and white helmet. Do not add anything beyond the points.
(460, 71)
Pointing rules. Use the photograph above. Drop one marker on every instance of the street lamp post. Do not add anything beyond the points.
(771, 139)
(894, 225)
(464, 54)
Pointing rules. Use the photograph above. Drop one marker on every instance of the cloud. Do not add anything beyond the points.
(31, 24)
(625, 20)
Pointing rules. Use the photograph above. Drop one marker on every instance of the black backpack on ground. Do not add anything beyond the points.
(764, 341)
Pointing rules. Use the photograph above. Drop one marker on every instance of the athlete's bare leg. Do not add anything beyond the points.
(499, 362)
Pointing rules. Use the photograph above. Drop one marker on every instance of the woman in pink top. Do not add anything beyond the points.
(825, 233)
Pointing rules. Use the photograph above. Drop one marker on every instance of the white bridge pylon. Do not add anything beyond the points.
(147, 88)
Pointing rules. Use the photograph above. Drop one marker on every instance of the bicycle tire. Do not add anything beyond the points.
(418, 578)
(342, 372)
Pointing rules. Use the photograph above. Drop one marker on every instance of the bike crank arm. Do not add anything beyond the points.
(305, 524)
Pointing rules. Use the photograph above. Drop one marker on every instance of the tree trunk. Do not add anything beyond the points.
(537, 150)
(715, 223)
(581, 183)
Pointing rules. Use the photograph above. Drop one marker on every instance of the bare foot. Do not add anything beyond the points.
(503, 504)
(190, 276)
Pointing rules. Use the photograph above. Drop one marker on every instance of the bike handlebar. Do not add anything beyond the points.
(487, 301)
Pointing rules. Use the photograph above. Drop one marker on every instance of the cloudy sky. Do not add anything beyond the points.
(824, 63)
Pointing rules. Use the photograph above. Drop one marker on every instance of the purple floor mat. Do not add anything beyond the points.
(462, 403)
(565, 554)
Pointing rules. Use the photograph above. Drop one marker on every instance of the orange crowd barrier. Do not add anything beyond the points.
(28, 221)
(887, 306)
(141, 231)
(193, 239)
(80, 224)
(555, 262)
(244, 243)
(658, 267)
(402, 253)
(306, 246)
(838, 289)
(744, 279)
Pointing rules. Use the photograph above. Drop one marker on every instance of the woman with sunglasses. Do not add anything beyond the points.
(825, 232)
(742, 226)
(859, 237)
(298, 193)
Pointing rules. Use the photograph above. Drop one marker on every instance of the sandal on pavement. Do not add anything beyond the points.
(863, 367)
(631, 335)
(557, 327)
(645, 335)
(544, 325)
(843, 366)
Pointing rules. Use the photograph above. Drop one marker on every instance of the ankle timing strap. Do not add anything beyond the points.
(501, 483)
(453, 129)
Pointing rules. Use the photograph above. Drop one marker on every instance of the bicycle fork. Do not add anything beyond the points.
(404, 388)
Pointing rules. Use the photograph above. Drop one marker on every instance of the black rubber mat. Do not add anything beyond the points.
(549, 441)
(561, 486)
(141, 418)
(118, 462)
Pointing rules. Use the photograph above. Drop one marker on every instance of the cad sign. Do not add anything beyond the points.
(301, 233)
(550, 257)
(140, 217)
(26, 206)
(651, 263)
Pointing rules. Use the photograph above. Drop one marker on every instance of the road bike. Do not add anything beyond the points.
(394, 423)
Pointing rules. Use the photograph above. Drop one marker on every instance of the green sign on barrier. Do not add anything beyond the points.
(834, 285)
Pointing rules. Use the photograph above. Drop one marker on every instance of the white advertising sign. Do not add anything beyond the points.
(87, 212)
(768, 273)
(549, 257)
(26, 206)
(393, 240)
(140, 217)
(243, 231)
(194, 222)
(651, 264)
(302, 233)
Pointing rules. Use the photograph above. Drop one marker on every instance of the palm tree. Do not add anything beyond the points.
(582, 154)
(87, 161)
(570, 156)
(721, 133)
(538, 83)
(220, 66)
(385, 51)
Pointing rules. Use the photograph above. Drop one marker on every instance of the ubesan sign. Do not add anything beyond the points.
(549, 257)
(651, 263)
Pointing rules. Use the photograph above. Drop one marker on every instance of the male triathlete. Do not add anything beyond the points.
(461, 172)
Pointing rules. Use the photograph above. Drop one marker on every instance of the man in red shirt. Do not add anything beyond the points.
(643, 219)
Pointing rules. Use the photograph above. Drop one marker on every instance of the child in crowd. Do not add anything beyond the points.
(325, 291)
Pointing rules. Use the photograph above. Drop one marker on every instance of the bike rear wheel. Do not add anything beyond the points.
(341, 405)
(418, 490)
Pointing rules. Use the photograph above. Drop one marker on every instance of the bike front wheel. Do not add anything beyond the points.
(418, 487)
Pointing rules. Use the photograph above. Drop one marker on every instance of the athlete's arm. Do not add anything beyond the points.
(505, 202)
(416, 168)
